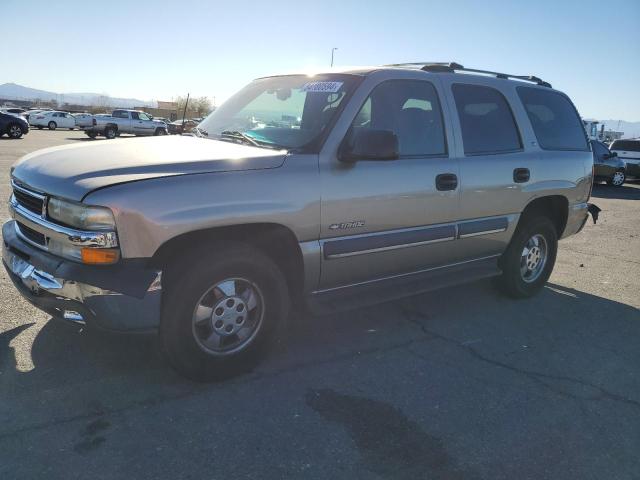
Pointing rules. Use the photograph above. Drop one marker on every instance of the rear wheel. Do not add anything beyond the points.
(14, 131)
(110, 133)
(52, 125)
(221, 309)
(92, 134)
(618, 179)
(529, 259)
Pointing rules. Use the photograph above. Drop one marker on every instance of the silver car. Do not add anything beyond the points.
(333, 191)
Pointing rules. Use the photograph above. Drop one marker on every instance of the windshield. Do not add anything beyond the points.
(280, 112)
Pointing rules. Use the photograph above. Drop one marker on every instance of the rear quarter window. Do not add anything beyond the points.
(554, 119)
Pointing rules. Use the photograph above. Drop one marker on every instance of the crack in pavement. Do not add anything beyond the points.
(414, 315)
(207, 388)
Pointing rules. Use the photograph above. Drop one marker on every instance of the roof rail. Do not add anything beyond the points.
(453, 67)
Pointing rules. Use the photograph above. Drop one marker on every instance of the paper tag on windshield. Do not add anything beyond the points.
(322, 87)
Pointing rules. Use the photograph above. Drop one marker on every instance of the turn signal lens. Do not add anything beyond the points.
(100, 256)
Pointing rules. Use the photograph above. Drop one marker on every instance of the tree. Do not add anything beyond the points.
(200, 105)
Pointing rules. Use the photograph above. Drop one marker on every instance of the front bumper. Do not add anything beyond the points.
(122, 297)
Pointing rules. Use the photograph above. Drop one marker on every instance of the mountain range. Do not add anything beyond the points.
(13, 91)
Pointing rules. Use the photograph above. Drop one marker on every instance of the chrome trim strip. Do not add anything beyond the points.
(486, 232)
(80, 238)
(392, 247)
(417, 272)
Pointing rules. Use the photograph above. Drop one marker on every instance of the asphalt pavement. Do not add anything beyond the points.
(461, 383)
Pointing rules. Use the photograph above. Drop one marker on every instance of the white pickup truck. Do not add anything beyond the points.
(125, 121)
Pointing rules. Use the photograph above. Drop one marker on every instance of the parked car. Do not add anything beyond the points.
(14, 126)
(125, 121)
(177, 127)
(15, 111)
(398, 180)
(607, 166)
(83, 120)
(52, 120)
(628, 150)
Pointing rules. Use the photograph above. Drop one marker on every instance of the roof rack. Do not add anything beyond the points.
(453, 67)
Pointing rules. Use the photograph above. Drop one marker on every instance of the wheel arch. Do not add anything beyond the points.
(275, 240)
(555, 207)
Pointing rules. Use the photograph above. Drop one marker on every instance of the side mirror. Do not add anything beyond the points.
(369, 144)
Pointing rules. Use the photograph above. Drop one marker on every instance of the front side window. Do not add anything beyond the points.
(410, 109)
(135, 115)
(486, 120)
(143, 116)
(290, 112)
(554, 119)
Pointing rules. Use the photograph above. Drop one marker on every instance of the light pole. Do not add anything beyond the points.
(332, 51)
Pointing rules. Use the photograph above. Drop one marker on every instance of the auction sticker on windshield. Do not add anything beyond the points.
(325, 87)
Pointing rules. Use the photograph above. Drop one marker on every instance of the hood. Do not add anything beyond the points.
(72, 171)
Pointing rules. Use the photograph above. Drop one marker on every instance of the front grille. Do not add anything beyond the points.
(30, 202)
(32, 235)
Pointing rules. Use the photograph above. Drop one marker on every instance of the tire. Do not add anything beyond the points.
(160, 131)
(110, 133)
(538, 236)
(92, 135)
(52, 125)
(618, 179)
(199, 348)
(14, 131)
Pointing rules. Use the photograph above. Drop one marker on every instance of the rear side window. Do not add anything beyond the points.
(554, 119)
(486, 120)
(626, 145)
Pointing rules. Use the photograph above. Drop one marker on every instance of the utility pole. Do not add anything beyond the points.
(332, 51)
(184, 112)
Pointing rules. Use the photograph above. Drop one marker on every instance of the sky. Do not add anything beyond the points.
(160, 49)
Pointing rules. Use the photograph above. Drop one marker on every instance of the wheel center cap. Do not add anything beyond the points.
(229, 316)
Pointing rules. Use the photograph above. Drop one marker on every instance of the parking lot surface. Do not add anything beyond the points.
(456, 384)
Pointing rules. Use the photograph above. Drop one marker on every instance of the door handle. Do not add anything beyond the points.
(446, 181)
(521, 175)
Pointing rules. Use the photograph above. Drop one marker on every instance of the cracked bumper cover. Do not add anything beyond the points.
(122, 297)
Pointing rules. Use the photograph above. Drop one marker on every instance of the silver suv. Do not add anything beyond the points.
(333, 190)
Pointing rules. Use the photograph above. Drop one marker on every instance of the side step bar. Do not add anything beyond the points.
(393, 288)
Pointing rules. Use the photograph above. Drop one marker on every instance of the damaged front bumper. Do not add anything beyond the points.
(121, 297)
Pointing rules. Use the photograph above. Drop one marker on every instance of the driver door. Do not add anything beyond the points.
(384, 218)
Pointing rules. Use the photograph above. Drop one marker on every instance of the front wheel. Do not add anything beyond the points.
(14, 131)
(52, 125)
(529, 259)
(222, 307)
(160, 131)
(618, 179)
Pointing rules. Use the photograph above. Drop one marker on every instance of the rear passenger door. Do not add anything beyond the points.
(495, 169)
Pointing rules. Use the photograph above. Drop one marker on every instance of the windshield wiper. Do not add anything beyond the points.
(239, 136)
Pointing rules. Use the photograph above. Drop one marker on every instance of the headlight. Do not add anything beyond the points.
(80, 216)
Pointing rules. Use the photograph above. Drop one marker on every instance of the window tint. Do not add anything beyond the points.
(120, 114)
(626, 145)
(485, 119)
(135, 115)
(411, 110)
(554, 119)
